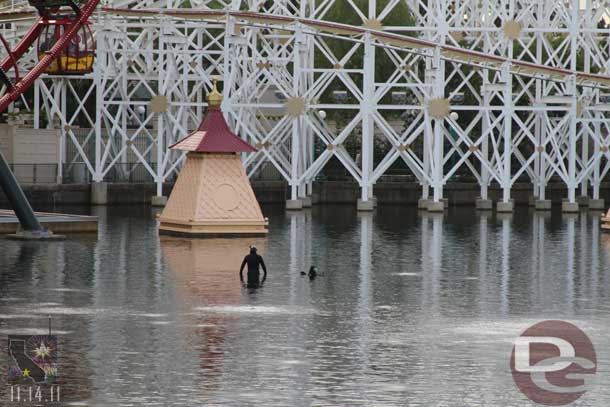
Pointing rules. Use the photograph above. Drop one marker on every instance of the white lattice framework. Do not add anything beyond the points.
(515, 119)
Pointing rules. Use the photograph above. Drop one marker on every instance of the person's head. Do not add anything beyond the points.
(252, 250)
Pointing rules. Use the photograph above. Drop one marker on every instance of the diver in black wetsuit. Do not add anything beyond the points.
(254, 261)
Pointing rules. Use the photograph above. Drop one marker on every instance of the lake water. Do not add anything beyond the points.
(411, 309)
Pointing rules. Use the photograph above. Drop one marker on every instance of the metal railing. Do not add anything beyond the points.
(267, 172)
(35, 173)
(136, 173)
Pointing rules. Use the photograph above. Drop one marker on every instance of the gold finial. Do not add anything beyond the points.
(214, 97)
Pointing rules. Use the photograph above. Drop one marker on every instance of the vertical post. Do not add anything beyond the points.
(539, 181)
(485, 126)
(485, 141)
(303, 86)
(427, 143)
(365, 203)
(160, 148)
(597, 151)
(506, 205)
(571, 205)
(37, 103)
(99, 92)
(438, 123)
(588, 93)
(295, 142)
(367, 120)
(584, 154)
(99, 191)
(163, 75)
(438, 141)
(64, 126)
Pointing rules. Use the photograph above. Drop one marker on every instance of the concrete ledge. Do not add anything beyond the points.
(582, 200)
(57, 222)
(484, 204)
(38, 235)
(543, 205)
(99, 193)
(277, 192)
(436, 206)
(597, 204)
(569, 207)
(368, 205)
(159, 201)
(423, 203)
(294, 205)
(307, 203)
(505, 207)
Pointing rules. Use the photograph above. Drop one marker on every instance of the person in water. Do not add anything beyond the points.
(313, 272)
(253, 260)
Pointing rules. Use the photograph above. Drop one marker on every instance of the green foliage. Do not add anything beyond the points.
(342, 12)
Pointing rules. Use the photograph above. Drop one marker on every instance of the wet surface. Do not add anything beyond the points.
(410, 308)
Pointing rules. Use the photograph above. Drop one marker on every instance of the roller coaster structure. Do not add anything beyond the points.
(529, 81)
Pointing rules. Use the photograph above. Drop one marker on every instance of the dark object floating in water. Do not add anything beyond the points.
(313, 273)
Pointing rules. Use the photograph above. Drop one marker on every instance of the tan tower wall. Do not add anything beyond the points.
(213, 197)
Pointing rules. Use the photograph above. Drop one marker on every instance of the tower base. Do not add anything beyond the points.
(213, 228)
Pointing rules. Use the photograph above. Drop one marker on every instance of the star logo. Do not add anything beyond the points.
(26, 372)
(42, 351)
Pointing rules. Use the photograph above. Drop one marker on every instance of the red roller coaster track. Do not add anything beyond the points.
(22, 84)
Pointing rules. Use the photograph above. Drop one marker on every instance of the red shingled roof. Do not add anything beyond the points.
(213, 136)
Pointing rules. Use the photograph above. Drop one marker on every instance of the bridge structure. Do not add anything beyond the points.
(502, 90)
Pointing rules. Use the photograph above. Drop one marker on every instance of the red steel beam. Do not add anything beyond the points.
(50, 56)
(23, 45)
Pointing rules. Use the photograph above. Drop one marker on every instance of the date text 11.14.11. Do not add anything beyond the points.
(34, 395)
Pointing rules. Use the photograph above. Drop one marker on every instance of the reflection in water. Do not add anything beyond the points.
(506, 219)
(205, 272)
(406, 300)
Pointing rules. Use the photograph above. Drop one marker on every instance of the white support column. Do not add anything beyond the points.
(485, 142)
(483, 203)
(365, 203)
(99, 101)
(125, 145)
(506, 205)
(438, 158)
(587, 95)
(539, 181)
(160, 156)
(296, 142)
(304, 50)
(571, 205)
(597, 151)
(438, 124)
(427, 143)
(584, 150)
(163, 77)
(61, 84)
(438, 142)
(37, 103)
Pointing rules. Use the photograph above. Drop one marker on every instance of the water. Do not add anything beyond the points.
(412, 308)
